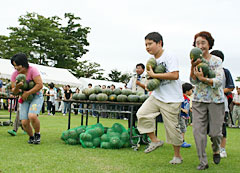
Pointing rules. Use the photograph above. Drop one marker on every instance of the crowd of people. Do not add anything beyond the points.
(207, 103)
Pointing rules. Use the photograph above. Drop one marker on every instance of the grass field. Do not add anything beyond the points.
(53, 155)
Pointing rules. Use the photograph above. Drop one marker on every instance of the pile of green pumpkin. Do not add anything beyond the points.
(196, 53)
(27, 85)
(117, 95)
(157, 68)
(94, 136)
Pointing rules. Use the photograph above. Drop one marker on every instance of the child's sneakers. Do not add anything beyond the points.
(12, 132)
(185, 145)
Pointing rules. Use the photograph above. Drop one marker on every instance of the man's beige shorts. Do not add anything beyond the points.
(148, 112)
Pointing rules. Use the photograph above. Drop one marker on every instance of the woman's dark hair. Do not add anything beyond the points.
(154, 36)
(205, 35)
(20, 59)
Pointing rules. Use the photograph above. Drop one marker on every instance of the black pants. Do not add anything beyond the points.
(224, 127)
(43, 107)
(52, 108)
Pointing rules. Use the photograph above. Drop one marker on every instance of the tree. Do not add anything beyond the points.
(88, 69)
(117, 76)
(124, 78)
(114, 75)
(76, 35)
(238, 79)
(46, 41)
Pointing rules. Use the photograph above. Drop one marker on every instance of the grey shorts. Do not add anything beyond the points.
(183, 124)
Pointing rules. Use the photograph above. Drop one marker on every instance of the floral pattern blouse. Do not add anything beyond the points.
(206, 93)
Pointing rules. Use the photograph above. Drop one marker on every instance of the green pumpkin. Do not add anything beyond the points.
(99, 131)
(107, 91)
(204, 67)
(211, 74)
(205, 61)
(104, 138)
(133, 98)
(81, 96)
(86, 137)
(24, 87)
(126, 92)
(31, 84)
(105, 145)
(88, 91)
(93, 132)
(196, 53)
(112, 97)
(102, 97)
(65, 135)
(142, 98)
(114, 142)
(72, 141)
(21, 78)
(139, 93)
(151, 62)
(96, 142)
(73, 134)
(93, 97)
(122, 98)
(153, 84)
(97, 90)
(160, 69)
(88, 144)
(75, 96)
(80, 130)
(117, 91)
(116, 127)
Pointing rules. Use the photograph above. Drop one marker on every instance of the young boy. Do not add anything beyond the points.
(166, 99)
(185, 108)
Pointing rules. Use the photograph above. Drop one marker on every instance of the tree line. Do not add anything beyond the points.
(48, 41)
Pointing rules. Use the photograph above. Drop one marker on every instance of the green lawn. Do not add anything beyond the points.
(53, 155)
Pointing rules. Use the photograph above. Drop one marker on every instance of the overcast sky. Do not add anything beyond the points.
(118, 27)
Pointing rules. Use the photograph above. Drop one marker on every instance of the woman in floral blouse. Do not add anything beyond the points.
(208, 101)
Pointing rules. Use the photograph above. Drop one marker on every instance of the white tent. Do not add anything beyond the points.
(94, 82)
(49, 74)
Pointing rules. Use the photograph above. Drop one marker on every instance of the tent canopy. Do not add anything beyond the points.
(49, 74)
(94, 82)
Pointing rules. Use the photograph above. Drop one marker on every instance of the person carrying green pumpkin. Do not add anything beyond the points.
(166, 99)
(208, 101)
(29, 109)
